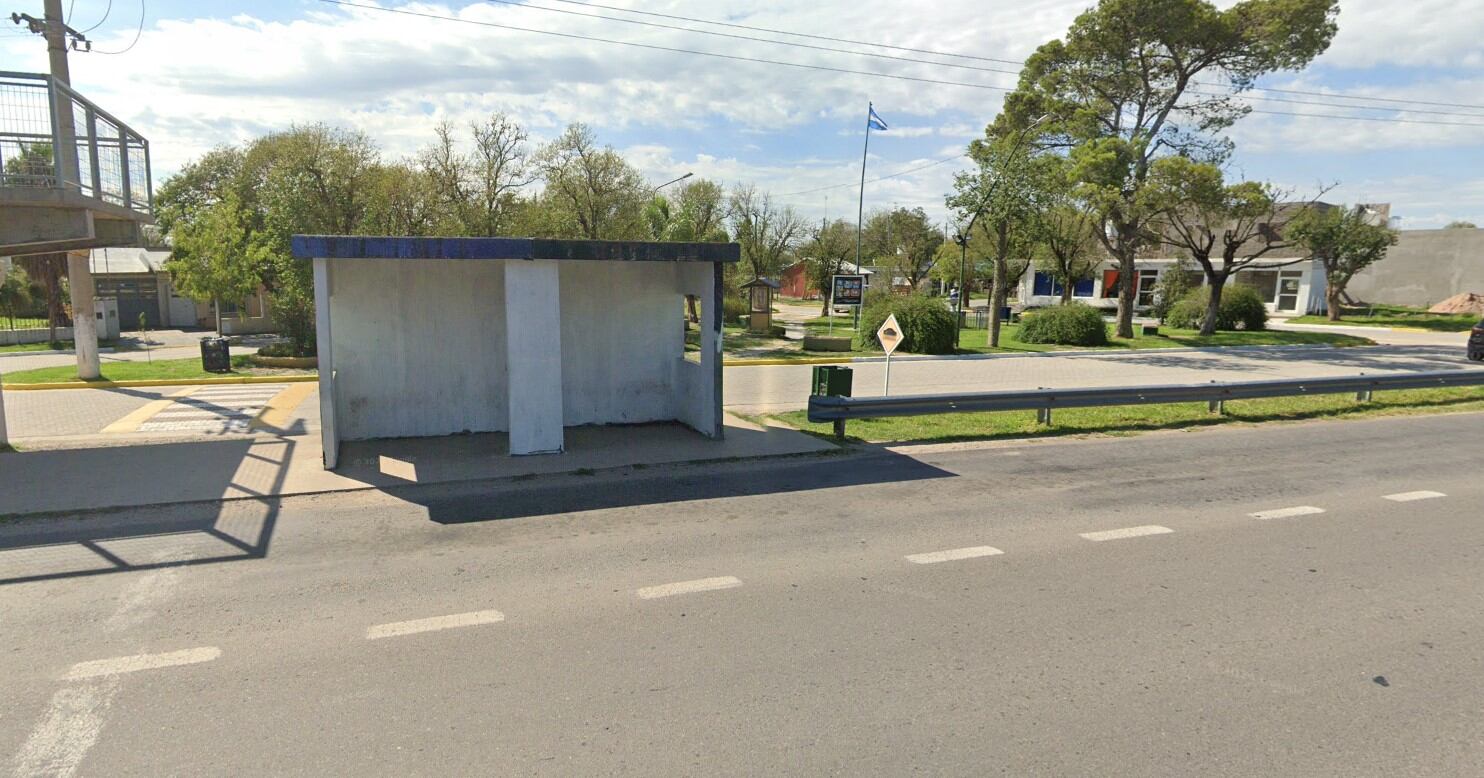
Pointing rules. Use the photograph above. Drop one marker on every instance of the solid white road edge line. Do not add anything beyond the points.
(1126, 532)
(688, 587)
(399, 628)
(952, 555)
(1284, 513)
(1413, 496)
(130, 664)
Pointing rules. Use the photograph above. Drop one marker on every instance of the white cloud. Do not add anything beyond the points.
(191, 84)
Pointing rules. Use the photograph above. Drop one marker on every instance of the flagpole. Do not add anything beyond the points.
(860, 209)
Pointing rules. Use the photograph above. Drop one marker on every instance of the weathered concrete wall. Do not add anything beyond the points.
(621, 333)
(17, 337)
(419, 347)
(1423, 268)
(533, 312)
(697, 378)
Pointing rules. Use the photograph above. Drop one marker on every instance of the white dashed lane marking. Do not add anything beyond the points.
(1126, 532)
(132, 664)
(1413, 496)
(1285, 513)
(399, 628)
(688, 587)
(953, 555)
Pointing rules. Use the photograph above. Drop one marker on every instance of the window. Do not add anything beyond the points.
(1045, 286)
(1110, 284)
(1147, 279)
(1288, 289)
(1264, 281)
(1083, 288)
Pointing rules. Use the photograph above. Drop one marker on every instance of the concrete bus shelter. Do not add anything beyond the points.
(423, 337)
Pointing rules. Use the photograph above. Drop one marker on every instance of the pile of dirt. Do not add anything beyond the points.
(1468, 302)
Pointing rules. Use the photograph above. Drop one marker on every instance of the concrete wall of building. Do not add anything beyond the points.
(622, 329)
(424, 348)
(419, 347)
(697, 376)
(1424, 267)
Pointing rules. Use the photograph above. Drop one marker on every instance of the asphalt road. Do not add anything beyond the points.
(786, 617)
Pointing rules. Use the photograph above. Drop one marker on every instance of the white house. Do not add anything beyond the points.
(440, 336)
(1288, 289)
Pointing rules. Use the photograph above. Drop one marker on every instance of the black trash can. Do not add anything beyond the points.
(215, 356)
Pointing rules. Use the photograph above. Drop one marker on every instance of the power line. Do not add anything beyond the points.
(939, 53)
(897, 174)
(653, 47)
(108, 9)
(804, 66)
(138, 31)
(911, 60)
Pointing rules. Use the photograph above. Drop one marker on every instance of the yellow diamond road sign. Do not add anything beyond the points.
(890, 334)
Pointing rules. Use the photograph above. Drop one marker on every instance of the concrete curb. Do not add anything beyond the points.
(247, 379)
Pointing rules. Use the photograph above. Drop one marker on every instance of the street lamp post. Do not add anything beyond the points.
(962, 238)
(672, 181)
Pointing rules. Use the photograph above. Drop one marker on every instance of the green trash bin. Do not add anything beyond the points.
(832, 380)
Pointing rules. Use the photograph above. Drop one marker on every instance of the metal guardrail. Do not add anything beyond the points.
(840, 409)
(100, 157)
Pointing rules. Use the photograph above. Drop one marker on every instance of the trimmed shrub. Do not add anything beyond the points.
(1172, 287)
(1241, 309)
(1074, 324)
(927, 324)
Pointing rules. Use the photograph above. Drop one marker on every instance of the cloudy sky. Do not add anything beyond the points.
(208, 72)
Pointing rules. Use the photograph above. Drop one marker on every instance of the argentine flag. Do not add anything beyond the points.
(872, 120)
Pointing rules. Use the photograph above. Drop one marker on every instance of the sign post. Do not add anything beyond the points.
(890, 336)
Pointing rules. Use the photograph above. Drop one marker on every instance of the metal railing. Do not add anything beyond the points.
(840, 409)
(101, 157)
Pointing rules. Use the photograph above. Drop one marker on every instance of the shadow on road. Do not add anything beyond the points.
(198, 529)
(565, 494)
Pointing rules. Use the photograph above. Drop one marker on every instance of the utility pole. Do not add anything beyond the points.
(79, 275)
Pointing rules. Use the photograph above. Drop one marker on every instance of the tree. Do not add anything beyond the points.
(1004, 197)
(1067, 247)
(478, 191)
(47, 270)
(1345, 241)
(765, 231)
(15, 294)
(830, 246)
(31, 161)
(215, 259)
(1119, 91)
(1461, 225)
(1223, 227)
(904, 242)
(590, 192)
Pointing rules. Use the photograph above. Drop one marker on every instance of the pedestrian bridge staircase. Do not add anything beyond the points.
(71, 175)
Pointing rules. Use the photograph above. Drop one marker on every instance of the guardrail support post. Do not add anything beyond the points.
(1043, 416)
(1217, 407)
(839, 429)
(1363, 396)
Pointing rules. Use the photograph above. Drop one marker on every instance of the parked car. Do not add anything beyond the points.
(1476, 342)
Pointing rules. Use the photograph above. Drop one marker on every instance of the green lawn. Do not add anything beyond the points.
(1132, 419)
(159, 370)
(1396, 316)
(66, 344)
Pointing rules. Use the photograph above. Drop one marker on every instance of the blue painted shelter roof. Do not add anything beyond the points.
(380, 247)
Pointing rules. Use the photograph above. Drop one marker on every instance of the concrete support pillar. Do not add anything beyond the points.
(84, 320)
(324, 338)
(533, 348)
